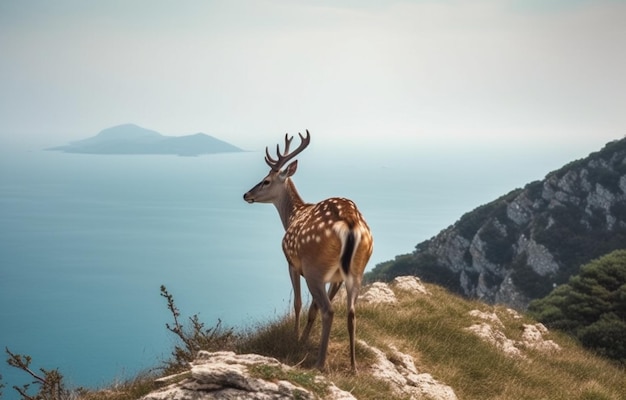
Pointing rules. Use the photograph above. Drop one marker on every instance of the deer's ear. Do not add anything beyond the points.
(289, 171)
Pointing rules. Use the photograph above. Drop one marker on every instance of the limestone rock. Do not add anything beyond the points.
(410, 284)
(514, 314)
(226, 375)
(398, 370)
(496, 337)
(490, 330)
(538, 256)
(532, 337)
(487, 316)
(378, 293)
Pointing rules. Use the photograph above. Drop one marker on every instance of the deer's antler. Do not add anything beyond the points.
(277, 164)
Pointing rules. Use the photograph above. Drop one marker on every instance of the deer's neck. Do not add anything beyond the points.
(289, 203)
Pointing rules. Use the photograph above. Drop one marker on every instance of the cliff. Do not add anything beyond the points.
(520, 246)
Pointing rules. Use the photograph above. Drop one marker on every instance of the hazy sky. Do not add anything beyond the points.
(391, 72)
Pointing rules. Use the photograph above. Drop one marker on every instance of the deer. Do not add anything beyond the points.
(326, 243)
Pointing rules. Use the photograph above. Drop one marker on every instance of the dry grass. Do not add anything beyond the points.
(431, 329)
(131, 389)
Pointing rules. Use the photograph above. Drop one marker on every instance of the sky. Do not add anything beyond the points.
(375, 74)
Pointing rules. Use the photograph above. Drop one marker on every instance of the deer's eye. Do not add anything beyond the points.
(266, 182)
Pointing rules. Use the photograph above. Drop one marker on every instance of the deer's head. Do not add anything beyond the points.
(274, 184)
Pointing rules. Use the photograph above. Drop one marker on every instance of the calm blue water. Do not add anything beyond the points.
(86, 241)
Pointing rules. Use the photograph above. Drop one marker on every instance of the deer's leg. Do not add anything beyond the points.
(310, 320)
(353, 285)
(297, 299)
(318, 291)
(333, 289)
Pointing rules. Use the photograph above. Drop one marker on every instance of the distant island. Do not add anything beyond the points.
(133, 139)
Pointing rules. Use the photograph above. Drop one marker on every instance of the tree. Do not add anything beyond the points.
(591, 306)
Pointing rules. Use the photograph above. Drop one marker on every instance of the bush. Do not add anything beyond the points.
(193, 338)
(528, 281)
(50, 382)
(591, 306)
(499, 247)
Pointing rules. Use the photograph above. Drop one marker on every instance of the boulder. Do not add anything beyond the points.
(398, 370)
(226, 375)
(411, 284)
(378, 293)
(490, 330)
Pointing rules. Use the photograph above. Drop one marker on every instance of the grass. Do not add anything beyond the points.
(131, 389)
(302, 378)
(432, 330)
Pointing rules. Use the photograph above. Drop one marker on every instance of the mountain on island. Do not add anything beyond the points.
(133, 139)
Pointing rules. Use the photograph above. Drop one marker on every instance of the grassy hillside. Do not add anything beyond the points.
(432, 329)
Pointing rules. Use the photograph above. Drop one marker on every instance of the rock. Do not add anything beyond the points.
(410, 284)
(399, 371)
(490, 330)
(520, 210)
(491, 317)
(496, 337)
(538, 257)
(514, 314)
(532, 337)
(226, 375)
(510, 294)
(378, 293)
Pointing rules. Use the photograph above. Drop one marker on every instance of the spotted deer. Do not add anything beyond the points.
(327, 242)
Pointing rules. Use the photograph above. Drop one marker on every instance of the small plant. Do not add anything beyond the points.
(51, 386)
(195, 338)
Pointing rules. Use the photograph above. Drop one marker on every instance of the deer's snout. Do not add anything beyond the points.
(248, 197)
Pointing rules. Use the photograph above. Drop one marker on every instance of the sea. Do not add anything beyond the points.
(86, 241)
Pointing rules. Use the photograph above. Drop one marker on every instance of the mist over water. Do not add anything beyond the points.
(86, 241)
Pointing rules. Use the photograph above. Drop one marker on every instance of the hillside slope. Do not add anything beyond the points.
(415, 341)
(520, 246)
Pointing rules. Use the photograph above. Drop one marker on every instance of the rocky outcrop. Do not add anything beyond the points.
(394, 367)
(411, 284)
(378, 293)
(520, 246)
(398, 370)
(491, 329)
(382, 293)
(226, 375)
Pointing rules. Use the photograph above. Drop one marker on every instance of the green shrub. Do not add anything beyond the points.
(528, 281)
(499, 247)
(591, 306)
